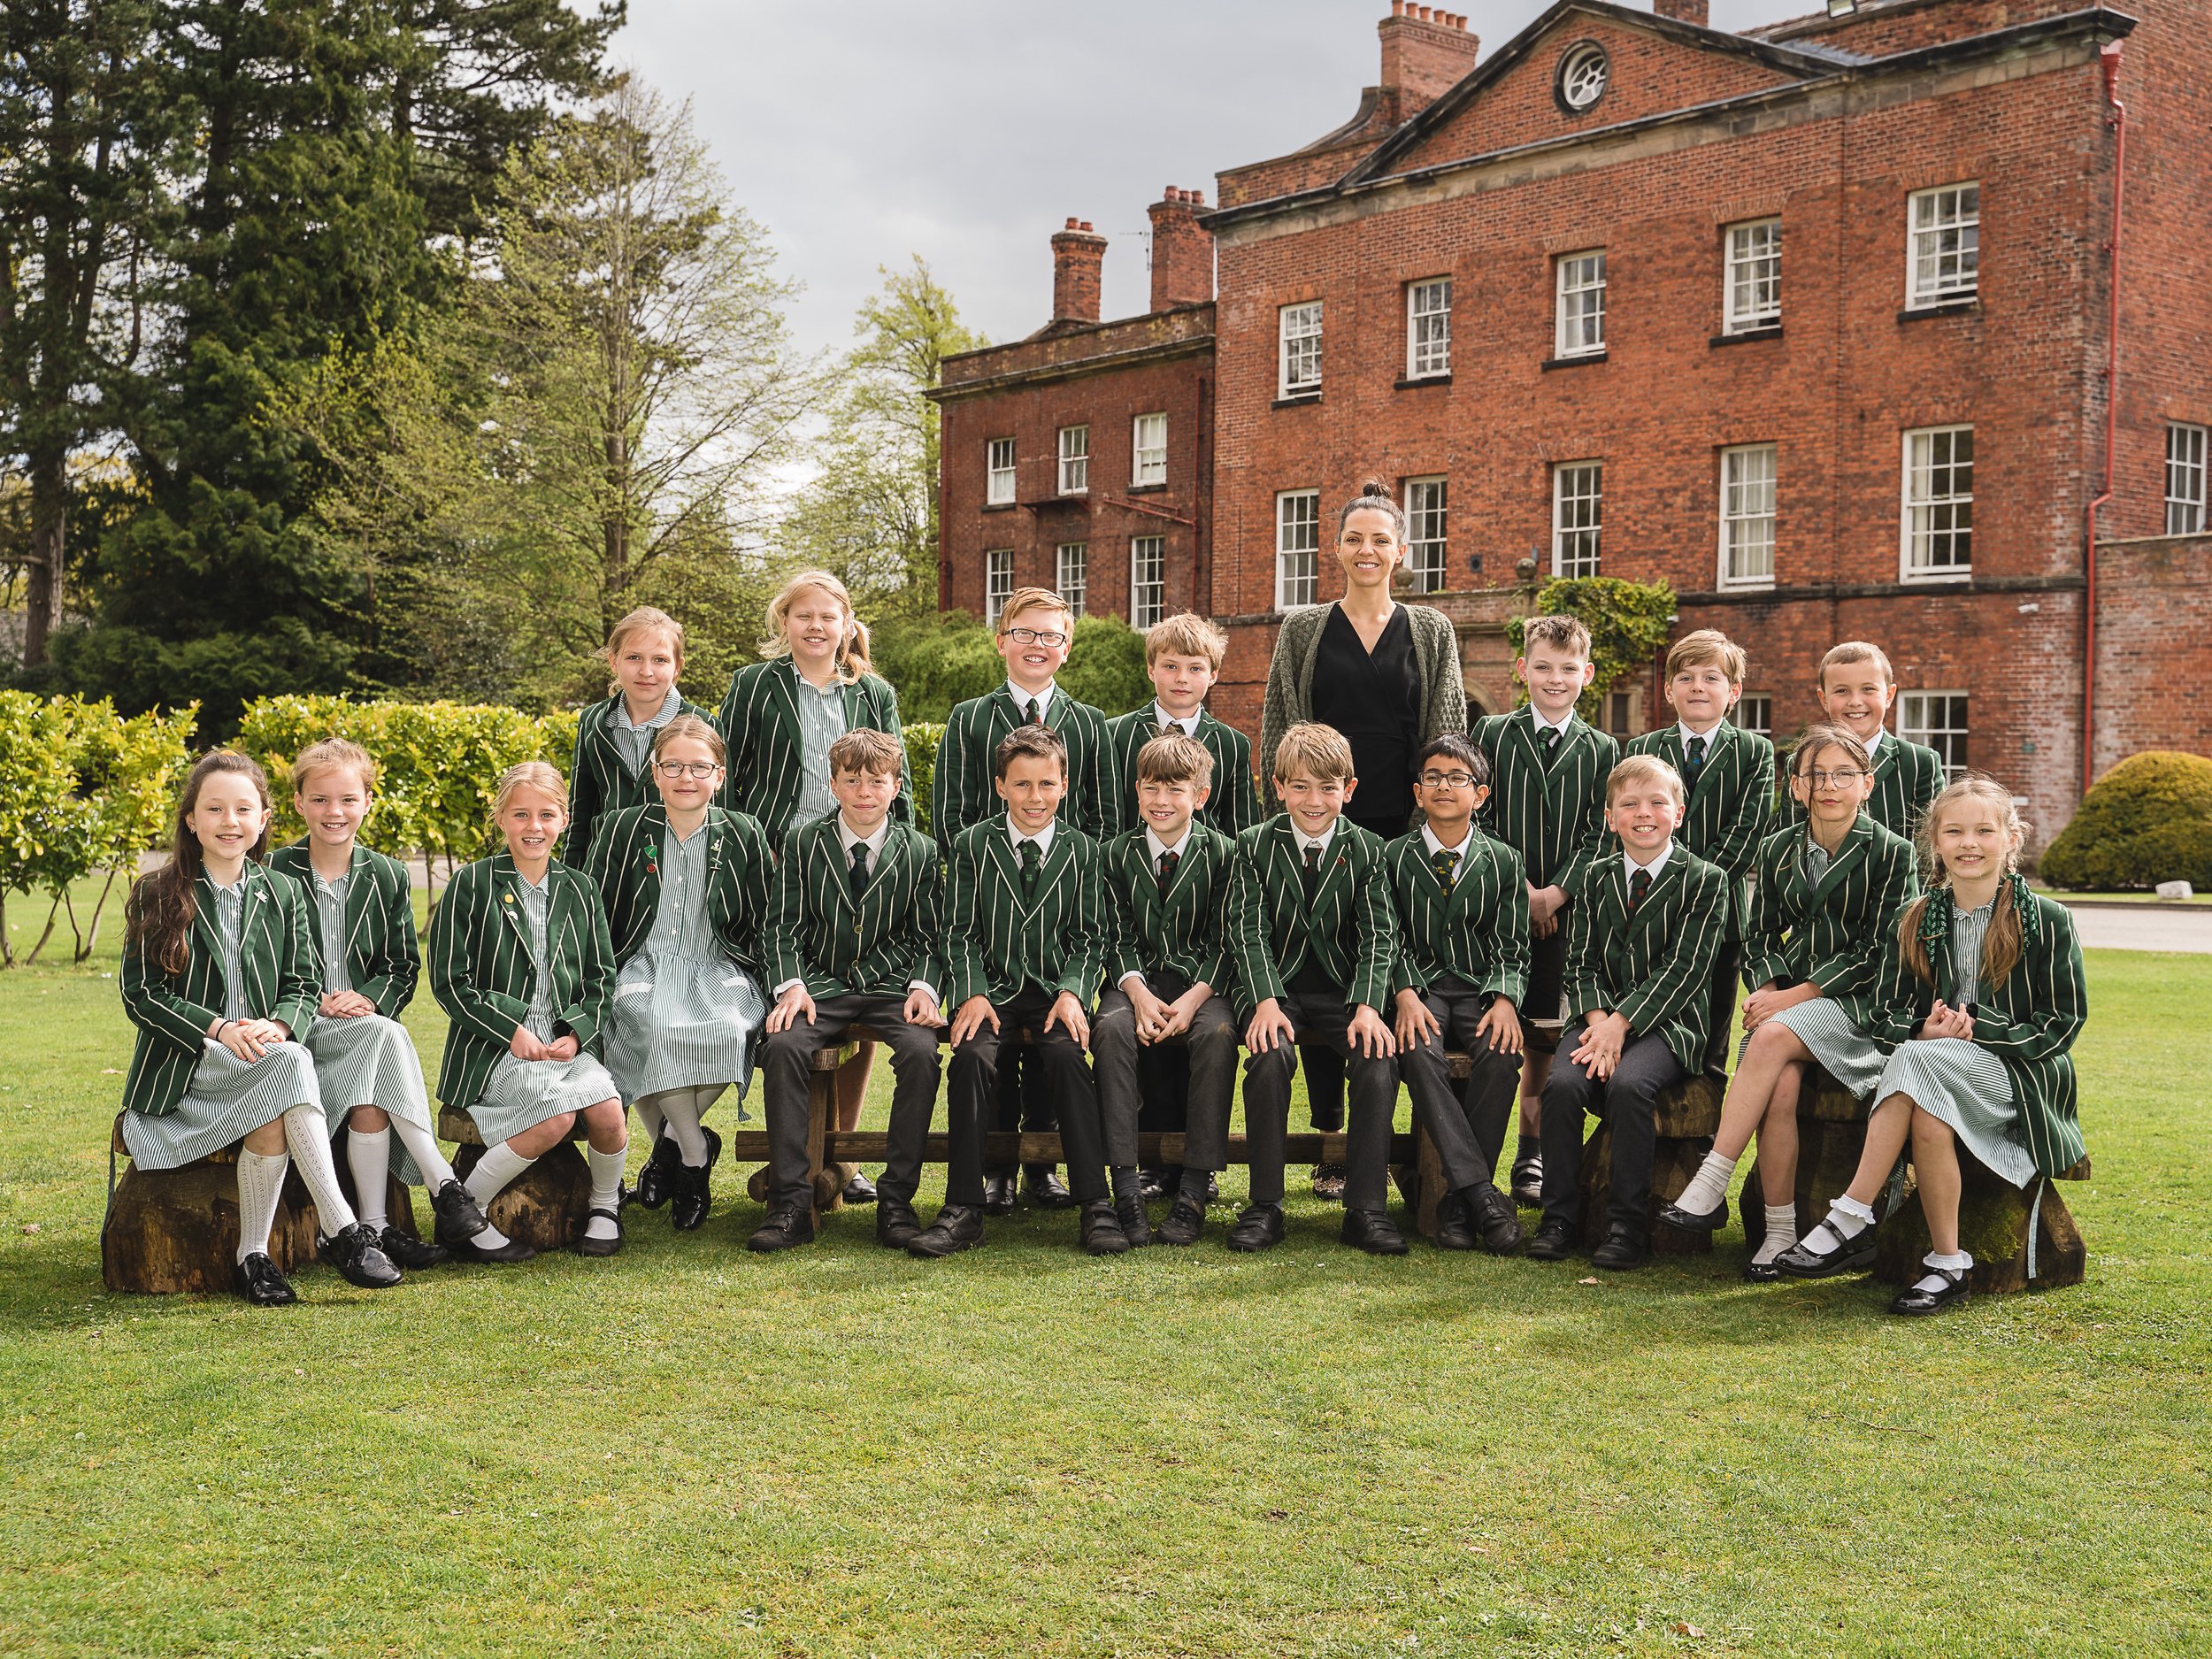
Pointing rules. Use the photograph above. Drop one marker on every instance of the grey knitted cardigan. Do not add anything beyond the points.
(1290, 677)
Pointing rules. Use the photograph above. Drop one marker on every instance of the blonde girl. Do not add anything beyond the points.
(614, 738)
(218, 977)
(521, 961)
(1980, 1002)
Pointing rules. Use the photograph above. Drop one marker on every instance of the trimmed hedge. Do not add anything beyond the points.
(922, 738)
(2148, 820)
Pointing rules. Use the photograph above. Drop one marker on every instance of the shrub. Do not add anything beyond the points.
(938, 661)
(922, 738)
(2148, 820)
(1628, 622)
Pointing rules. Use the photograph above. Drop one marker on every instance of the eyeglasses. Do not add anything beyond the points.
(674, 768)
(1832, 780)
(1035, 636)
(1446, 779)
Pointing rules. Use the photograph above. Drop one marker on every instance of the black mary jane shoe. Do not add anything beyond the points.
(786, 1226)
(1101, 1231)
(1185, 1220)
(1853, 1254)
(1621, 1251)
(656, 1181)
(860, 1189)
(459, 1216)
(257, 1279)
(998, 1191)
(1373, 1231)
(589, 1246)
(360, 1259)
(1761, 1274)
(1136, 1227)
(1259, 1228)
(958, 1227)
(1328, 1182)
(1917, 1304)
(896, 1224)
(1042, 1186)
(408, 1253)
(1554, 1241)
(1694, 1220)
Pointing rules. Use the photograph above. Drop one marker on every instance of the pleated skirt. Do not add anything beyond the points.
(371, 1061)
(682, 1023)
(522, 1094)
(227, 1100)
(1968, 1087)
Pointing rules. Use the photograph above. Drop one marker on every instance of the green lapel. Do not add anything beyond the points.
(881, 879)
(783, 700)
(507, 881)
(1848, 855)
(1003, 854)
(1669, 877)
(1715, 740)
(362, 894)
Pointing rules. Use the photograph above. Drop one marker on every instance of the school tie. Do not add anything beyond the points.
(1032, 860)
(1167, 729)
(1444, 861)
(1694, 762)
(1639, 889)
(1310, 876)
(1168, 860)
(858, 876)
(1551, 744)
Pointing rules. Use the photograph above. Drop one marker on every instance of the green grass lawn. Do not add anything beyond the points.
(1025, 1451)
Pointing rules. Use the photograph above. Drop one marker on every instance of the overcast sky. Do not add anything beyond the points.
(861, 132)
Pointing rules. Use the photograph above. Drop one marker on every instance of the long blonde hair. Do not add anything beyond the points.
(2003, 944)
(852, 651)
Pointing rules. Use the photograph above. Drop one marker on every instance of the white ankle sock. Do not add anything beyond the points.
(304, 1132)
(260, 1184)
(1847, 1218)
(606, 1189)
(1781, 1232)
(422, 1146)
(1957, 1261)
(493, 1174)
(680, 1109)
(370, 1158)
(1710, 1185)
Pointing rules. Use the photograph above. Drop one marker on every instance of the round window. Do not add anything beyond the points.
(1583, 73)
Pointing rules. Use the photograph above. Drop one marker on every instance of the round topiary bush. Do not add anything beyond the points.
(2148, 820)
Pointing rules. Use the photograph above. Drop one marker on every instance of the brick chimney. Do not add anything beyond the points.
(1077, 253)
(1426, 52)
(1695, 11)
(1182, 251)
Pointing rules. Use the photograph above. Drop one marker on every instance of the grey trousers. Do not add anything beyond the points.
(1626, 1101)
(973, 1095)
(1211, 1044)
(1321, 1018)
(1466, 1120)
(788, 1063)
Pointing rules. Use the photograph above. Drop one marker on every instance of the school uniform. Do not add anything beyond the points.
(1463, 944)
(1547, 802)
(1313, 927)
(1167, 911)
(251, 956)
(1233, 806)
(1026, 924)
(779, 728)
(364, 941)
(685, 918)
(613, 768)
(1830, 921)
(1729, 786)
(1648, 958)
(858, 922)
(1907, 777)
(505, 952)
(2008, 1092)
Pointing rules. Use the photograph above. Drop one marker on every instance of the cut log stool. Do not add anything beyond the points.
(1685, 1118)
(170, 1231)
(1831, 1138)
(545, 1207)
(2020, 1237)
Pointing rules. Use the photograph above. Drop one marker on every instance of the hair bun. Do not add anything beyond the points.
(1375, 486)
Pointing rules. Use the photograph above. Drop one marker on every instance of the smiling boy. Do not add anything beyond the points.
(1857, 691)
(1182, 656)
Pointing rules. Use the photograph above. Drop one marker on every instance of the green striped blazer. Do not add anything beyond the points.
(815, 933)
(759, 721)
(962, 797)
(1477, 931)
(1835, 935)
(2029, 1022)
(601, 781)
(482, 974)
(1185, 930)
(1653, 968)
(1731, 807)
(1907, 777)
(1349, 932)
(276, 957)
(1232, 808)
(1554, 817)
(625, 865)
(1002, 937)
(383, 961)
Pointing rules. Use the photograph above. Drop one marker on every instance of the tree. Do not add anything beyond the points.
(870, 512)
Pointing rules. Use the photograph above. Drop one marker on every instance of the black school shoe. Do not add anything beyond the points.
(896, 1224)
(356, 1254)
(656, 1181)
(1259, 1228)
(1136, 1227)
(1853, 1254)
(690, 1193)
(459, 1216)
(408, 1252)
(1528, 1182)
(1373, 1231)
(1554, 1242)
(1694, 1221)
(958, 1227)
(1153, 1185)
(1042, 1184)
(1917, 1304)
(1624, 1249)
(1495, 1223)
(1328, 1182)
(788, 1225)
(1185, 1222)
(860, 1189)
(1100, 1229)
(998, 1191)
(1761, 1272)
(1455, 1230)
(257, 1279)
(589, 1246)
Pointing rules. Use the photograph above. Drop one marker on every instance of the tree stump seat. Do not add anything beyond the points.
(545, 1207)
(2020, 1237)
(1685, 1117)
(1831, 1139)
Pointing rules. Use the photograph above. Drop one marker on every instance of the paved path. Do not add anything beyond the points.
(2141, 927)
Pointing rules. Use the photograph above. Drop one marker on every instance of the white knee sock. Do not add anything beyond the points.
(606, 1189)
(304, 1130)
(1710, 1185)
(1957, 1261)
(370, 1158)
(680, 1109)
(649, 1118)
(1847, 1218)
(260, 1184)
(493, 1174)
(1781, 1232)
(422, 1146)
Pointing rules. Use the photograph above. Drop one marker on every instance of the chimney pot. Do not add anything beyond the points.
(1420, 64)
(1397, 8)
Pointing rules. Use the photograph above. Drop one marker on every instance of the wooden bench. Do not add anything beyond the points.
(170, 1231)
(1831, 1139)
(2020, 1237)
(1685, 1118)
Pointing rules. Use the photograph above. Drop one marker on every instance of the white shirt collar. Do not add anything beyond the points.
(1043, 837)
(1629, 866)
(1874, 743)
(1711, 737)
(1158, 846)
(1043, 698)
(1305, 840)
(1161, 717)
(1536, 717)
(874, 843)
(659, 717)
(1429, 841)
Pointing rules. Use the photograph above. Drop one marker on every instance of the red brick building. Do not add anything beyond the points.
(1817, 324)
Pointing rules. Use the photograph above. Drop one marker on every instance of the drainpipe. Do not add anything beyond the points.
(2117, 121)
